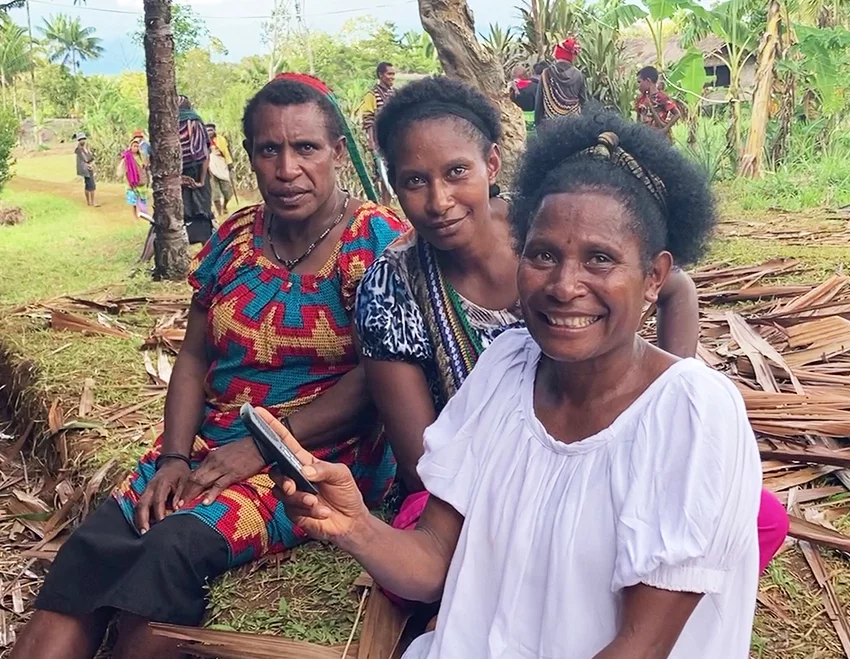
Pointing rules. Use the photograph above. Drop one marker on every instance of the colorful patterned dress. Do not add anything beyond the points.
(276, 339)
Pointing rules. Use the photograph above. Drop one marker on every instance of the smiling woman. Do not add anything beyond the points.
(270, 324)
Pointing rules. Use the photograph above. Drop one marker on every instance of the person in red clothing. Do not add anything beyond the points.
(653, 107)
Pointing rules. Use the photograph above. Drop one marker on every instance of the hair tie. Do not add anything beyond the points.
(421, 111)
(608, 148)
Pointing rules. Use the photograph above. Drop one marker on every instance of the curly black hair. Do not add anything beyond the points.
(284, 93)
(436, 98)
(552, 165)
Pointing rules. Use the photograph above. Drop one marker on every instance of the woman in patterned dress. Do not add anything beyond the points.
(270, 323)
(436, 298)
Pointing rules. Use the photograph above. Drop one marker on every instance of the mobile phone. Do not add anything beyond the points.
(273, 449)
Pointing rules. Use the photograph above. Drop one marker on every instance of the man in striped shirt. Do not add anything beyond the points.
(375, 99)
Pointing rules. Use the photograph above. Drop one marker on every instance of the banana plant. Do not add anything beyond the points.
(654, 13)
(688, 78)
(734, 24)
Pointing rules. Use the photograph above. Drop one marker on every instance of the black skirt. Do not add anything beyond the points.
(161, 575)
(197, 202)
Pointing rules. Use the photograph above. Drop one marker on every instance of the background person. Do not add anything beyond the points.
(199, 502)
(653, 107)
(195, 156)
(134, 168)
(562, 90)
(375, 99)
(221, 163)
(85, 167)
(593, 496)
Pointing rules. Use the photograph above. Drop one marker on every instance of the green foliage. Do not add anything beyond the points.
(109, 119)
(601, 60)
(189, 29)
(8, 139)
(504, 45)
(825, 54)
(15, 51)
(57, 90)
(68, 42)
(708, 150)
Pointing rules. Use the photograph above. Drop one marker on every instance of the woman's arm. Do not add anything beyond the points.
(336, 414)
(412, 564)
(678, 315)
(650, 623)
(184, 403)
(184, 412)
(400, 390)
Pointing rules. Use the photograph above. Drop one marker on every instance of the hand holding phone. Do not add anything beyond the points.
(273, 449)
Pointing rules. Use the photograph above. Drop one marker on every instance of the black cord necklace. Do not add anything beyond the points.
(292, 263)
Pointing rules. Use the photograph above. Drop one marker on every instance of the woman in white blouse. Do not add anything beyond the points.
(593, 497)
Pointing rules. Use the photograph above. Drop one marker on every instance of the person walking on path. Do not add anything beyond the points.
(221, 178)
(653, 107)
(85, 168)
(134, 168)
(375, 99)
(197, 192)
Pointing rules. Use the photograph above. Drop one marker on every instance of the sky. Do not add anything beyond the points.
(236, 23)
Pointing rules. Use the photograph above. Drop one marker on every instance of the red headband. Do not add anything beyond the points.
(305, 79)
(566, 50)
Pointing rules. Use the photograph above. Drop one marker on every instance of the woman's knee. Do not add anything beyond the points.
(772, 528)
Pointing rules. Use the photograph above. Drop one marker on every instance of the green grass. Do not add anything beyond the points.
(306, 598)
(49, 166)
(64, 247)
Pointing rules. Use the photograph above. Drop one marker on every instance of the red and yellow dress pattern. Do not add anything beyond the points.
(276, 339)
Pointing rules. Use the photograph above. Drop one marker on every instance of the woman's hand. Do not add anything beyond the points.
(222, 468)
(168, 483)
(339, 508)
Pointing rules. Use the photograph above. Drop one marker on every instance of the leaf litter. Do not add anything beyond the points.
(786, 347)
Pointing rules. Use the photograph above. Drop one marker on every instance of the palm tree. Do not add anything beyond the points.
(69, 42)
(15, 53)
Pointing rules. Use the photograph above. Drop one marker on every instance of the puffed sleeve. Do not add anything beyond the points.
(209, 269)
(693, 482)
(388, 321)
(458, 440)
(374, 227)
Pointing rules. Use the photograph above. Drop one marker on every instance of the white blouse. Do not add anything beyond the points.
(667, 496)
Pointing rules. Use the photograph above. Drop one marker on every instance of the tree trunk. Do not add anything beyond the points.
(452, 29)
(751, 160)
(171, 257)
(787, 107)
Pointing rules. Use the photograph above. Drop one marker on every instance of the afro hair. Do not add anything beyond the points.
(550, 166)
(434, 98)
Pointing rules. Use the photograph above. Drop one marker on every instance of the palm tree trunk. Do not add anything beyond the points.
(751, 159)
(452, 29)
(171, 258)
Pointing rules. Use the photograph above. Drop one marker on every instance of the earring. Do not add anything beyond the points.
(495, 190)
